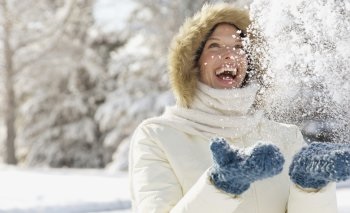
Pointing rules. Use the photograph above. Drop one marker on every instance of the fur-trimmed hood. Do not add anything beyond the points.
(182, 66)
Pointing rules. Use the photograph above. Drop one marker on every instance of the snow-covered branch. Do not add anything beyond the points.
(59, 21)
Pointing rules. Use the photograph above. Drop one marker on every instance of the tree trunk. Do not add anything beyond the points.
(10, 106)
(10, 119)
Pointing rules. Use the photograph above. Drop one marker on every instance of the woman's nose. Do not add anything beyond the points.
(232, 53)
(229, 53)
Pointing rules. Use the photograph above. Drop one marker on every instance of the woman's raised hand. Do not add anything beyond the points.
(235, 169)
(319, 163)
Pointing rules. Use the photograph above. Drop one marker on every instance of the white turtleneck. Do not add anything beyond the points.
(229, 102)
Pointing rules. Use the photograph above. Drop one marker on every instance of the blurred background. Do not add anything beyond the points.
(77, 77)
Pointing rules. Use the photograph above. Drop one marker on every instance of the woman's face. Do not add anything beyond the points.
(223, 62)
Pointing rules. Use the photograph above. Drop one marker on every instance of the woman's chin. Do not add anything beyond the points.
(226, 83)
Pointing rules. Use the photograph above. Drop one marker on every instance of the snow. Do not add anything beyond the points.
(63, 190)
(310, 81)
(80, 191)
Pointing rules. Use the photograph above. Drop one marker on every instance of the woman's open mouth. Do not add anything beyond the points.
(226, 73)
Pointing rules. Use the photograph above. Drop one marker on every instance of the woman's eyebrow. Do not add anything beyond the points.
(213, 38)
(217, 39)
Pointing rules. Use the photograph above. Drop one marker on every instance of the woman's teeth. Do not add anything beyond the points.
(227, 71)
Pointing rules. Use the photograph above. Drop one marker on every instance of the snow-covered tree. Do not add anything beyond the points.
(57, 126)
(26, 37)
(56, 68)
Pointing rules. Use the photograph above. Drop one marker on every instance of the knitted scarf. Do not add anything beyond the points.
(215, 112)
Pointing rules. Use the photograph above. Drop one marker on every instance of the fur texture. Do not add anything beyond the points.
(234, 170)
(320, 163)
(182, 67)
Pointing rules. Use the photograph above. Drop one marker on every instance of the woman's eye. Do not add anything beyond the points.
(213, 45)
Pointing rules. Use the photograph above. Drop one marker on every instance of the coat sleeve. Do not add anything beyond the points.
(155, 187)
(311, 201)
(304, 201)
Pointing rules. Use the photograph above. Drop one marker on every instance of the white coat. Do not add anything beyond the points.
(170, 158)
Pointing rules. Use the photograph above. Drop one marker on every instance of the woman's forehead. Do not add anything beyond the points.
(232, 36)
(226, 30)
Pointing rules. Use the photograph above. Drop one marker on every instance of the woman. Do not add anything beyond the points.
(174, 166)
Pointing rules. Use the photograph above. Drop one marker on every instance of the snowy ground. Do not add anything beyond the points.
(63, 191)
(80, 191)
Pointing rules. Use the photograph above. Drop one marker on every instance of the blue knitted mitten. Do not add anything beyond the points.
(235, 169)
(319, 163)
